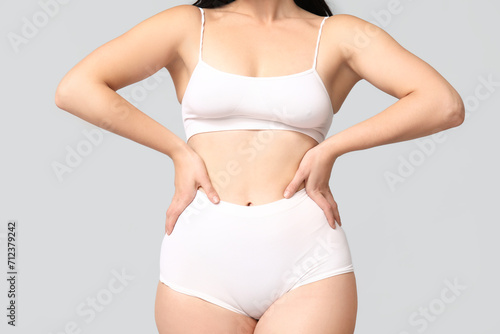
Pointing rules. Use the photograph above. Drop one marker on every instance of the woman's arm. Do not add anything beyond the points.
(427, 102)
(88, 90)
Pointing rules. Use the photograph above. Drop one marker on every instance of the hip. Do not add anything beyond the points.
(282, 229)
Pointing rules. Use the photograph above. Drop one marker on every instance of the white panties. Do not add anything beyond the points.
(243, 258)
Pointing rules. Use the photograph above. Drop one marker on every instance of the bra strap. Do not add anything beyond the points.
(201, 33)
(317, 42)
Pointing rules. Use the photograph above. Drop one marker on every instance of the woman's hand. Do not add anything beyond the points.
(315, 169)
(190, 174)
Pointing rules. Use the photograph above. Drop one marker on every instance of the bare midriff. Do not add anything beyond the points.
(251, 167)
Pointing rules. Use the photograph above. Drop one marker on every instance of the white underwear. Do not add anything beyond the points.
(243, 258)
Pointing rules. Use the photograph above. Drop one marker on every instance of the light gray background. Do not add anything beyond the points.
(108, 214)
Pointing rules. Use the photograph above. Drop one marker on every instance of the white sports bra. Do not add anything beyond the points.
(215, 100)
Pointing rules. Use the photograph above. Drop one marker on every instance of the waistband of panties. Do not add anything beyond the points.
(257, 210)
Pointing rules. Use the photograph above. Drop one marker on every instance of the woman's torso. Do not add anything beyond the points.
(255, 166)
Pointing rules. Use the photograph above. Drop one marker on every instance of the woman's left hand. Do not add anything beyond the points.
(315, 169)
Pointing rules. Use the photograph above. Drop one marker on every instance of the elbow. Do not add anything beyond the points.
(69, 89)
(61, 96)
(65, 92)
(454, 111)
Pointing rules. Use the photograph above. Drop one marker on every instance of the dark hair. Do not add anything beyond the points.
(318, 7)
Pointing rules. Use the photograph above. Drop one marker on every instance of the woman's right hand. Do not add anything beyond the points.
(190, 174)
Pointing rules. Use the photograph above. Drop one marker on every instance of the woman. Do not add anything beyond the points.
(254, 242)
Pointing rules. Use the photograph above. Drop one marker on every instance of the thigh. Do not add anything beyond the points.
(327, 306)
(176, 313)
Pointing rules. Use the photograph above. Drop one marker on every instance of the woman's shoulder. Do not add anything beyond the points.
(182, 11)
(347, 27)
(346, 21)
(180, 19)
(180, 14)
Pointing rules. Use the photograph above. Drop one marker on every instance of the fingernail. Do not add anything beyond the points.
(286, 193)
(215, 198)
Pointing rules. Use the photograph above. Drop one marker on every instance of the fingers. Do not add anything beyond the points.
(334, 206)
(178, 205)
(210, 191)
(180, 202)
(294, 184)
(327, 207)
(173, 213)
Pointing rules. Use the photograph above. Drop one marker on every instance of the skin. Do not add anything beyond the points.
(351, 49)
